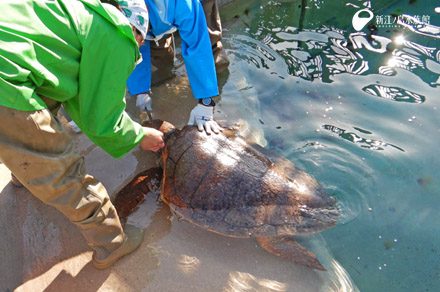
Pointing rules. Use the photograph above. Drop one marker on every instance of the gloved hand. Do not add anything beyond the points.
(143, 101)
(203, 116)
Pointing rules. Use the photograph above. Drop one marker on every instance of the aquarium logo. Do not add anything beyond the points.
(360, 22)
(362, 17)
(405, 20)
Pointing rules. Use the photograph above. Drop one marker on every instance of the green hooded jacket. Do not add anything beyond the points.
(77, 52)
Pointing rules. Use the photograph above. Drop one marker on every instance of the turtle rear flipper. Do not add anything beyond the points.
(288, 248)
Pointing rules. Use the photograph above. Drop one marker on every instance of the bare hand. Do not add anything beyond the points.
(153, 140)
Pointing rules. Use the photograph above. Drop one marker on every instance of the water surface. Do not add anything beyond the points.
(359, 111)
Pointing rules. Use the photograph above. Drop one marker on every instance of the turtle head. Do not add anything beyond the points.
(165, 127)
(317, 213)
(308, 206)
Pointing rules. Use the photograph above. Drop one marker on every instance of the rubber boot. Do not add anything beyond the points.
(212, 15)
(221, 60)
(162, 60)
(133, 237)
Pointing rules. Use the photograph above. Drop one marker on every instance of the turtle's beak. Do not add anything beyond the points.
(317, 209)
(316, 219)
(165, 127)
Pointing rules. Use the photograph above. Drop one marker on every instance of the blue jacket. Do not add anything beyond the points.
(188, 17)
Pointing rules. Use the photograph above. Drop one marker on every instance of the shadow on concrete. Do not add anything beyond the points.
(87, 280)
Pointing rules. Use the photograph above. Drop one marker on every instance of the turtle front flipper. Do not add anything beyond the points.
(288, 248)
(132, 195)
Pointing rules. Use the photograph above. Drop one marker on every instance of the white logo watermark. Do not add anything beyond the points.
(360, 22)
(393, 21)
(386, 21)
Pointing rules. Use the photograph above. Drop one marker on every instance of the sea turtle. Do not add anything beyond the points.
(230, 185)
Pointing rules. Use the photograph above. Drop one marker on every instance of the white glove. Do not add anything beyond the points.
(143, 101)
(203, 116)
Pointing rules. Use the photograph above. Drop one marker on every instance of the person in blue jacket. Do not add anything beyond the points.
(188, 18)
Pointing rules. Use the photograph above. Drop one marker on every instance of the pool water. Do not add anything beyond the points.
(359, 111)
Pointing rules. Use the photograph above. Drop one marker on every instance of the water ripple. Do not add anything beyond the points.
(394, 93)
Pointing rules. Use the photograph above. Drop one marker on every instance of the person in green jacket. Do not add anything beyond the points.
(78, 54)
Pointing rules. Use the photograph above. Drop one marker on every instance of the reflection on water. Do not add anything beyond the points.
(394, 93)
(359, 111)
(364, 142)
(325, 51)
